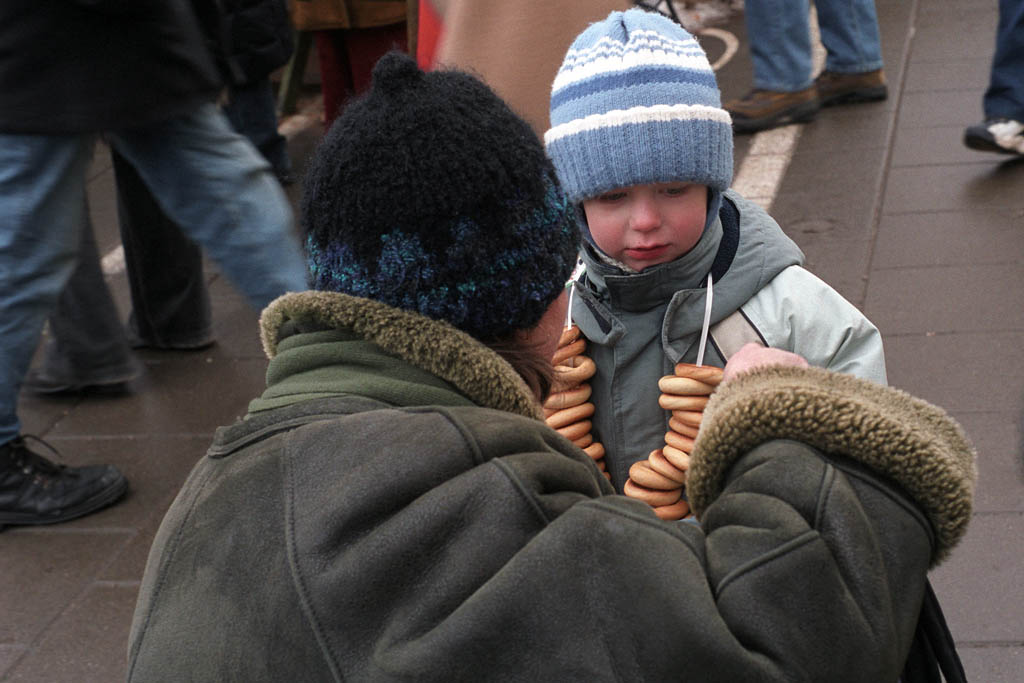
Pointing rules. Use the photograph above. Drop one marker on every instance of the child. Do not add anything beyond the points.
(643, 147)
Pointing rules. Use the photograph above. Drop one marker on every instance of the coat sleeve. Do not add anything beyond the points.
(799, 312)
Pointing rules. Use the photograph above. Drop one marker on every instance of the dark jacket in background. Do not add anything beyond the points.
(259, 36)
(394, 508)
(74, 66)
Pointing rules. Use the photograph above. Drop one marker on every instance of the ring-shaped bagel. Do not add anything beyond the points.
(650, 496)
(576, 430)
(568, 398)
(670, 402)
(683, 443)
(568, 351)
(660, 464)
(708, 374)
(689, 417)
(569, 335)
(573, 372)
(680, 427)
(643, 474)
(595, 450)
(676, 510)
(684, 386)
(679, 459)
(566, 417)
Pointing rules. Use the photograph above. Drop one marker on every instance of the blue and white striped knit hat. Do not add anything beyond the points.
(634, 102)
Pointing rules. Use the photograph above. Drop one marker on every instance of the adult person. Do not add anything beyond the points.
(785, 90)
(394, 506)
(1002, 130)
(141, 73)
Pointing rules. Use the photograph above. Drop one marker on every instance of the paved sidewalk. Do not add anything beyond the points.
(925, 236)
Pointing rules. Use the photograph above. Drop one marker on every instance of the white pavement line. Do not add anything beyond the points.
(759, 176)
(113, 262)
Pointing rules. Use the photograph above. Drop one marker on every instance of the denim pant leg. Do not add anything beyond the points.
(213, 183)
(252, 111)
(1005, 94)
(780, 43)
(170, 299)
(849, 32)
(42, 210)
(87, 343)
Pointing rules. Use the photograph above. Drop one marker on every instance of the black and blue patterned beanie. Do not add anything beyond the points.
(429, 194)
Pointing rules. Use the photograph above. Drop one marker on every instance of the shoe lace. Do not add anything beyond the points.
(29, 460)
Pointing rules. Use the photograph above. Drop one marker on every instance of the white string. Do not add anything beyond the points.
(580, 268)
(707, 324)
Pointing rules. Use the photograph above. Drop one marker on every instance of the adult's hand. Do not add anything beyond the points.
(753, 356)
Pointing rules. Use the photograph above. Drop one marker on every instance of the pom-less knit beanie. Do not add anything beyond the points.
(635, 102)
(430, 195)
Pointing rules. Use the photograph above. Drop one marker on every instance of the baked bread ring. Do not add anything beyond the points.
(650, 496)
(684, 386)
(679, 459)
(708, 374)
(660, 464)
(573, 372)
(566, 417)
(584, 440)
(568, 351)
(569, 335)
(595, 450)
(676, 510)
(670, 402)
(643, 474)
(568, 398)
(576, 430)
(689, 417)
(680, 427)
(679, 441)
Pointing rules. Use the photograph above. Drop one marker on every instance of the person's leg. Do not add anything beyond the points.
(252, 111)
(780, 43)
(42, 210)
(1002, 130)
(170, 299)
(335, 73)
(86, 348)
(1004, 97)
(213, 183)
(849, 32)
(42, 202)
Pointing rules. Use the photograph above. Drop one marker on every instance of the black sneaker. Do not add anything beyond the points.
(34, 490)
(1004, 136)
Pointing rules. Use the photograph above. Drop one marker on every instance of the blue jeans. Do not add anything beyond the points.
(780, 40)
(1005, 95)
(252, 111)
(207, 178)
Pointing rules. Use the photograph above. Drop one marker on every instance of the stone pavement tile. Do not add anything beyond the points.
(952, 370)
(867, 124)
(235, 324)
(87, 644)
(946, 41)
(8, 655)
(960, 187)
(997, 439)
(960, 74)
(985, 236)
(44, 569)
(995, 664)
(981, 585)
(939, 145)
(941, 108)
(895, 296)
(189, 394)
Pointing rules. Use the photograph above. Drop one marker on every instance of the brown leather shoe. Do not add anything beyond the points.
(836, 88)
(761, 109)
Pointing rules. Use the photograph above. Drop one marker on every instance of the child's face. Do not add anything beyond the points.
(644, 225)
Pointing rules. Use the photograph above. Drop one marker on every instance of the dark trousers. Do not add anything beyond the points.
(1005, 94)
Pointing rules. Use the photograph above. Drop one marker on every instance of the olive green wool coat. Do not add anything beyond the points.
(393, 508)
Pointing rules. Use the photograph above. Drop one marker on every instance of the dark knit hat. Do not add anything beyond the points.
(429, 194)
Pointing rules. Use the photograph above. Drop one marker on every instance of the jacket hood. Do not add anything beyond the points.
(911, 442)
(472, 368)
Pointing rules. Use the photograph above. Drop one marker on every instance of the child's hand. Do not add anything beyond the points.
(752, 356)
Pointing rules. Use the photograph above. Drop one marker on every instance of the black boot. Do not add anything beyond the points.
(34, 490)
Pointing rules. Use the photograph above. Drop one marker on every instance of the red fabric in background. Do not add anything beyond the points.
(428, 34)
(347, 56)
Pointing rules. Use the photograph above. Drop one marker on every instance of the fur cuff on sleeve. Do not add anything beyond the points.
(903, 438)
